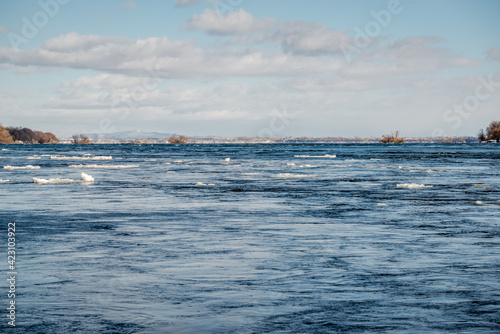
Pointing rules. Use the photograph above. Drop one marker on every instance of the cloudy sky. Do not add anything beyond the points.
(251, 67)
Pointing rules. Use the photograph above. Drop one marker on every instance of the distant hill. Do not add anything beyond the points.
(129, 135)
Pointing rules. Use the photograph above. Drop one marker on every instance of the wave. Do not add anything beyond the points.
(104, 166)
(412, 185)
(85, 179)
(292, 176)
(308, 166)
(316, 156)
(381, 204)
(21, 167)
(291, 164)
(33, 157)
(85, 157)
(250, 174)
(4, 181)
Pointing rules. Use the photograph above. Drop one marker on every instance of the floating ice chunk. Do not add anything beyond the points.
(316, 156)
(201, 184)
(87, 178)
(104, 166)
(4, 149)
(308, 166)
(291, 164)
(228, 159)
(292, 176)
(412, 185)
(381, 204)
(33, 157)
(3, 181)
(85, 157)
(57, 180)
(480, 203)
(21, 167)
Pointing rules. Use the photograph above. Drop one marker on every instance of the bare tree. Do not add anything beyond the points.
(80, 139)
(178, 140)
(5, 136)
(392, 138)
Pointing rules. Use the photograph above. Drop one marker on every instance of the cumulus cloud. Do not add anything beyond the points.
(494, 54)
(234, 22)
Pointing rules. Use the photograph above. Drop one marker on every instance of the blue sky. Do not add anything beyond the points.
(249, 68)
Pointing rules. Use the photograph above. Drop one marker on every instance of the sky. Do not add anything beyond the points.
(232, 68)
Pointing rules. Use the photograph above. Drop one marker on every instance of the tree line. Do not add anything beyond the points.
(492, 132)
(10, 135)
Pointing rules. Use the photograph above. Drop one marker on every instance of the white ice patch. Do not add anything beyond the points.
(21, 167)
(292, 176)
(316, 156)
(412, 185)
(201, 184)
(3, 181)
(85, 179)
(85, 157)
(480, 203)
(104, 166)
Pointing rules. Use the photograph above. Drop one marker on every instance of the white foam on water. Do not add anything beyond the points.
(85, 157)
(381, 204)
(21, 167)
(170, 172)
(308, 166)
(33, 157)
(227, 159)
(291, 164)
(292, 176)
(250, 174)
(178, 161)
(412, 185)
(316, 156)
(104, 166)
(3, 181)
(4, 149)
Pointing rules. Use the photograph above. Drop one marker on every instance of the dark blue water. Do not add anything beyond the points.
(185, 241)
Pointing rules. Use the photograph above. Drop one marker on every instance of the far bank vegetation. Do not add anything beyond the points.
(392, 138)
(80, 139)
(178, 140)
(492, 133)
(11, 135)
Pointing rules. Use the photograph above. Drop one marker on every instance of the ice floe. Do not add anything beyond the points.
(85, 157)
(201, 184)
(412, 185)
(104, 166)
(316, 156)
(21, 167)
(292, 176)
(85, 179)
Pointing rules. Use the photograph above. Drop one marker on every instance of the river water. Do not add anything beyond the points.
(253, 238)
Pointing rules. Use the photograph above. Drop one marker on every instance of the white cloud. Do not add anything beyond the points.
(494, 54)
(310, 38)
(234, 22)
